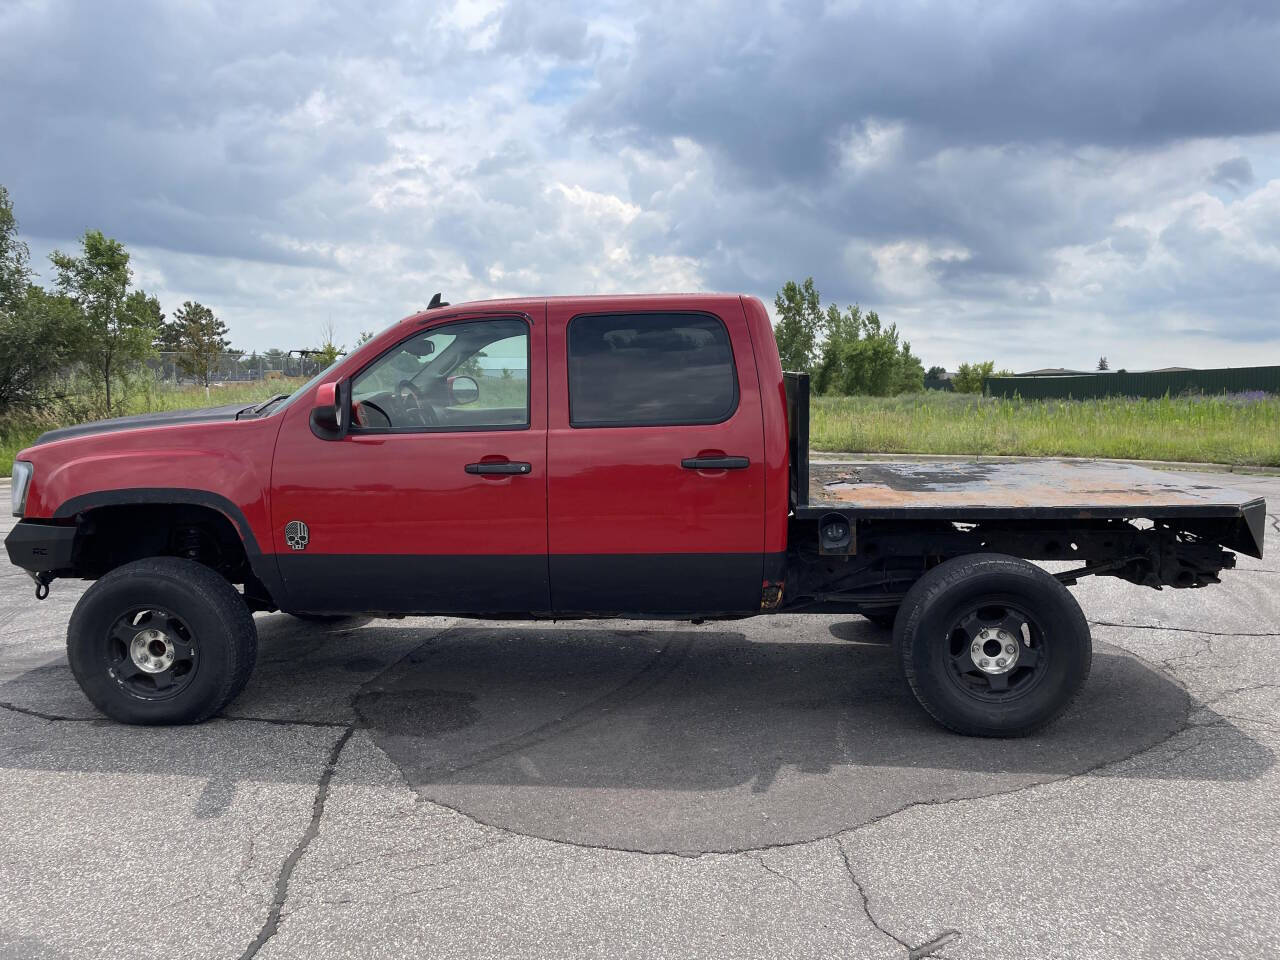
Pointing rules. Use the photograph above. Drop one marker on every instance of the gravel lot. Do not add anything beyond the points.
(765, 788)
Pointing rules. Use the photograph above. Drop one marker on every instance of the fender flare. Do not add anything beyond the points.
(262, 564)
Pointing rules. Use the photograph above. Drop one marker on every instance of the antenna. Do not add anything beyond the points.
(437, 302)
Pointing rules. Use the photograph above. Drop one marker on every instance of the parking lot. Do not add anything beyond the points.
(762, 788)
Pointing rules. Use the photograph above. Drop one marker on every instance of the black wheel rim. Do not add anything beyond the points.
(996, 650)
(151, 653)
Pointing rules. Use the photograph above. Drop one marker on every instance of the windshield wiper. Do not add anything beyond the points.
(256, 411)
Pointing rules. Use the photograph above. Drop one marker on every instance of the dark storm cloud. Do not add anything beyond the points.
(772, 86)
(1014, 123)
(177, 125)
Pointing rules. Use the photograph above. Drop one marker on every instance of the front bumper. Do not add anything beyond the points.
(40, 547)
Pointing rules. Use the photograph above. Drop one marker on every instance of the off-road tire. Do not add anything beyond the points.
(924, 640)
(219, 623)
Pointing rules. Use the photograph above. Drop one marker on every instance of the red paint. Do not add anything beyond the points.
(622, 489)
(777, 455)
(590, 490)
(409, 492)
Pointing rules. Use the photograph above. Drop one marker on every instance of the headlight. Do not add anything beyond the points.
(21, 481)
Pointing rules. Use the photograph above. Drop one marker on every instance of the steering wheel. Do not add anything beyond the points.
(413, 402)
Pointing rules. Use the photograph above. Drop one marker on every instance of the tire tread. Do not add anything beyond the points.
(227, 603)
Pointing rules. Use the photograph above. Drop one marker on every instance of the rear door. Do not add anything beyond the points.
(655, 458)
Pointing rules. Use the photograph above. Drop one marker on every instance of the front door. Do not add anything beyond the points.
(435, 501)
(655, 449)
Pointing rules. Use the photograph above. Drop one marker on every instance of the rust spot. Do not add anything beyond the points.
(1037, 483)
(771, 595)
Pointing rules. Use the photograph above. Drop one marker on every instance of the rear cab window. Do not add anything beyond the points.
(650, 369)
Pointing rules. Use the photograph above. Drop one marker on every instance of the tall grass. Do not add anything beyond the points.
(1239, 429)
(19, 429)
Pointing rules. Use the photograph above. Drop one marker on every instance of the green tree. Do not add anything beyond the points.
(38, 334)
(201, 340)
(119, 326)
(862, 356)
(15, 267)
(168, 337)
(971, 376)
(1102, 364)
(38, 330)
(935, 372)
(800, 325)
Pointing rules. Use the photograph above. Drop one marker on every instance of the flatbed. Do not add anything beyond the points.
(974, 491)
(1029, 489)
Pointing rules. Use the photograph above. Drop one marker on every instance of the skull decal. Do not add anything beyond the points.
(296, 535)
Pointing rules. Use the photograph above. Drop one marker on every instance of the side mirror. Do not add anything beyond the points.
(331, 410)
(463, 390)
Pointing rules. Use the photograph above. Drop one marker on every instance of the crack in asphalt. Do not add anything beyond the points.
(865, 900)
(272, 923)
(51, 717)
(758, 859)
(281, 722)
(1160, 629)
(275, 913)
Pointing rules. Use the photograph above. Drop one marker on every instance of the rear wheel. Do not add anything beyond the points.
(992, 646)
(161, 641)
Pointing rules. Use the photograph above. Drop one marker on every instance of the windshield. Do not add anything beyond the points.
(306, 387)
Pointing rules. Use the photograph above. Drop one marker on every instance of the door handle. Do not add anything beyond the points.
(715, 463)
(515, 467)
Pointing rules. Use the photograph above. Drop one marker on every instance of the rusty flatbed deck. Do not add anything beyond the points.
(1033, 489)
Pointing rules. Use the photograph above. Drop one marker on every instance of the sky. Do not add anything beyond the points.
(1038, 184)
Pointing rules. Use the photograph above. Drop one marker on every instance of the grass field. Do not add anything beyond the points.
(1242, 429)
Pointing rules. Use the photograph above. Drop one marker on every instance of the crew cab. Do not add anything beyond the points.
(574, 457)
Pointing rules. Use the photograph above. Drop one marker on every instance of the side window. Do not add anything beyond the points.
(650, 369)
(470, 375)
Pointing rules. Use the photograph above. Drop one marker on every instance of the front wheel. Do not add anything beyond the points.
(992, 646)
(161, 641)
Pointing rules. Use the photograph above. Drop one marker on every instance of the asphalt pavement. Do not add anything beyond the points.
(442, 788)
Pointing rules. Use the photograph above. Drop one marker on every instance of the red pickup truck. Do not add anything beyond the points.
(570, 457)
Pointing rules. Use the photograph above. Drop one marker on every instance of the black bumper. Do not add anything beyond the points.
(40, 547)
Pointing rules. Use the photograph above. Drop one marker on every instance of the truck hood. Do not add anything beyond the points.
(168, 418)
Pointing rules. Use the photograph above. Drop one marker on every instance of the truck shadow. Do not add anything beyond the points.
(668, 739)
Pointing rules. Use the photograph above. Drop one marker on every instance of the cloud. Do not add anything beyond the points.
(1025, 181)
(1235, 173)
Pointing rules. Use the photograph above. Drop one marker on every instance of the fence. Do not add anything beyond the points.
(1121, 384)
(236, 367)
